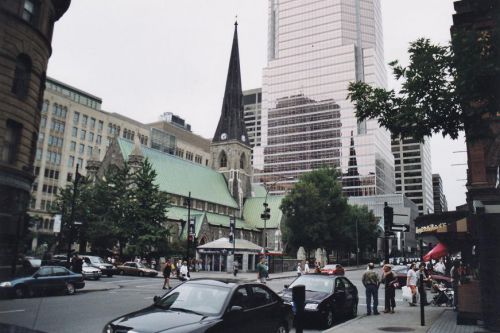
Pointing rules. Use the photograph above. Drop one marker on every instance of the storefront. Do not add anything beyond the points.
(218, 255)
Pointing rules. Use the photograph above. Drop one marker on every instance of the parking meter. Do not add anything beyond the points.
(298, 299)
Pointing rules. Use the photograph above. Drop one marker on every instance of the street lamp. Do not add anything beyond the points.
(72, 216)
(187, 203)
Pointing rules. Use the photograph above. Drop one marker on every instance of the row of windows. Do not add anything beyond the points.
(128, 134)
(46, 205)
(53, 157)
(71, 163)
(304, 119)
(309, 155)
(57, 126)
(55, 141)
(301, 166)
(305, 137)
(58, 110)
(49, 173)
(304, 128)
(49, 189)
(80, 99)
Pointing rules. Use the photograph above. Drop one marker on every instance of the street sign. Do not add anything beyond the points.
(400, 228)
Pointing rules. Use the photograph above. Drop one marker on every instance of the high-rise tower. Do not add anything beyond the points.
(230, 147)
(314, 50)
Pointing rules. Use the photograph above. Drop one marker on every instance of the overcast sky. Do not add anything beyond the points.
(147, 57)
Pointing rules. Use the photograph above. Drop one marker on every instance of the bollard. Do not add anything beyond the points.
(299, 299)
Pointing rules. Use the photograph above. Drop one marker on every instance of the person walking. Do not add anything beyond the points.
(306, 268)
(411, 282)
(371, 282)
(299, 269)
(184, 272)
(426, 278)
(167, 270)
(235, 268)
(262, 271)
(455, 282)
(390, 281)
(76, 264)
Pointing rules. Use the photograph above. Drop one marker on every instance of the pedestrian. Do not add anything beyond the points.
(299, 269)
(167, 270)
(153, 263)
(371, 282)
(390, 281)
(178, 269)
(339, 270)
(76, 263)
(262, 271)
(411, 282)
(439, 267)
(306, 268)
(455, 281)
(184, 272)
(421, 290)
(235, 268)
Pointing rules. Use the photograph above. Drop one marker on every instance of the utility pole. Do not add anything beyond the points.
(357, 244)
(188, 228)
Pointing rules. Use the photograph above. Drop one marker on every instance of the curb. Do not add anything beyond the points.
(343, 324)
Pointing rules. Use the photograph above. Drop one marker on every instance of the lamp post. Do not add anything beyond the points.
(357, 244)
(188, 236)
(72, 216)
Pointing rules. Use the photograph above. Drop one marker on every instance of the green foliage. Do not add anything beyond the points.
(318, 215)
(122, 208)
(444, 89)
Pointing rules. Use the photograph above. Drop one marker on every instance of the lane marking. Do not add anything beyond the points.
(12, 311)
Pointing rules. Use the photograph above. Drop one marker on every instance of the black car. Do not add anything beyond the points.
(328, 298)
(207, 305)
(46, 279)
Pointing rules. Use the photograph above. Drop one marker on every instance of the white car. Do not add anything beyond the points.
(90, 273)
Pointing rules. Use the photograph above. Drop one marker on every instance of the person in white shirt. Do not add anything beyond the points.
(306, 267)
(299, 269)
(184, 272)
(440, 267)
(411, 281)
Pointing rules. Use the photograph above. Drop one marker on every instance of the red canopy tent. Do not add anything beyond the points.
(437, 252)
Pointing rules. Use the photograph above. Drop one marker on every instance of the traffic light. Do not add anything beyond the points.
(232, 227)
(388, 218)
(266, 215)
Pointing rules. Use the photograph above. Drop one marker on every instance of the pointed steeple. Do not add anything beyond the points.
(353, 163)
(231, 123)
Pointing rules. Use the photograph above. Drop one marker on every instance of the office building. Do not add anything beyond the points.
(252, 109)
(74, 129)
(315, 49)
(440, 203)
(26, 28)
(413, 172)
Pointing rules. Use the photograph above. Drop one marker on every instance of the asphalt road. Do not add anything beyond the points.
(89, 311)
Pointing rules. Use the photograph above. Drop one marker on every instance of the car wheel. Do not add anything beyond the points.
(20, 291)
(141, 273)
(70, 289)
(354, 312)
(282, 329)
(329, 319)
(122, 273)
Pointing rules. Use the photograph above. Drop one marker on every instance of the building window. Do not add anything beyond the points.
(85, 120)
(71, 161)
(11, 141)
(83, 133)
(81, 148)
(45, 106)
(100, 125)
(189, 156)
(43, 122)
(98, 140)
(30, 11)
(89, 151)
(72, 146)
(223, 160)
(74, 132)
(76, 118)
(92, 123)
(90, 137)
(242, 161)
(80, 163)
(22, 76)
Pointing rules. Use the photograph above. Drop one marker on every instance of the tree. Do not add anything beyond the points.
(444, 89)
(149, 209)
(314, 210)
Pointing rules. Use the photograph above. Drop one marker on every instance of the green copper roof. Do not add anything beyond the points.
(178, 176)
(253, 207)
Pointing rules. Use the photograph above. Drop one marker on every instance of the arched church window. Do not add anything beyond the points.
(223, 160)
(242, 161)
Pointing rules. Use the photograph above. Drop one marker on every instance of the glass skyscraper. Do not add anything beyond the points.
(315, 48)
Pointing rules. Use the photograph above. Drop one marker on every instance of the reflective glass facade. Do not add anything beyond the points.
(315, 48)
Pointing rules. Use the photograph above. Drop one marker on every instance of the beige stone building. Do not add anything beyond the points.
(74, 128)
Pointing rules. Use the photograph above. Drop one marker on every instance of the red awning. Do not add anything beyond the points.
(437, 252)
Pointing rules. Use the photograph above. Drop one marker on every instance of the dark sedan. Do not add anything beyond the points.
(206, 305)
(46, 279)
(328, 298)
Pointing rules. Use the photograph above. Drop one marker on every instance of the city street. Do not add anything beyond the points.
(89, 311)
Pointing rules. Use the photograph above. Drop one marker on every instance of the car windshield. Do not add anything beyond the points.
(96, 260)
(139, 265)
(314, 283)
(197, 298)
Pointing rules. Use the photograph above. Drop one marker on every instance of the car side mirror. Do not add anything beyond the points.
(156, 299)
(286, 286)
(235, 309)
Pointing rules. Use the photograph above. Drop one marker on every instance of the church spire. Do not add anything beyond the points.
(231, 123)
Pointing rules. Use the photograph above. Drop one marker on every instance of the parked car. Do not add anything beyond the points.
(134, 268)
(90, 273)
(206, 305)
(333, 269)
(97, 262)
(46, 279)
(328, 298)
